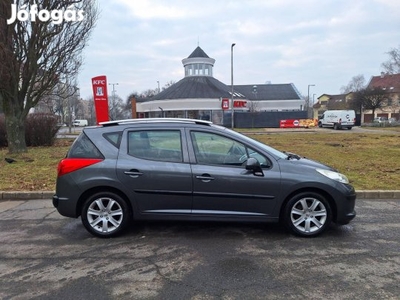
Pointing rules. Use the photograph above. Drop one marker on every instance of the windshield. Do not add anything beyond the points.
(260, 145)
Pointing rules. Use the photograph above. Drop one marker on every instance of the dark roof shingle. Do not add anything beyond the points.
(268, 91)
(198, 52)
(195, 87)
(389, 81)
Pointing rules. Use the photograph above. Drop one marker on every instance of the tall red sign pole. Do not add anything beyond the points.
(100, 96)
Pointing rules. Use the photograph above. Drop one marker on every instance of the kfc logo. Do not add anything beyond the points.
(99, 82)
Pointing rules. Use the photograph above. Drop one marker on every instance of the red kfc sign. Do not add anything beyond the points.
(100, 96)
(239, 103)
(225, 103)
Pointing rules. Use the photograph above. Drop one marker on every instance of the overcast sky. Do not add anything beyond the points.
(139, 42)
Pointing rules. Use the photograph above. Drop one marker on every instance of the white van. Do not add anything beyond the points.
(338, 119)
(80, 123)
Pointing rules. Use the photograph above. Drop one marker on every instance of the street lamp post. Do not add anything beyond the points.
(308, 98)
(232, 111)
(162, 112)
(113, 97)
(308, 95)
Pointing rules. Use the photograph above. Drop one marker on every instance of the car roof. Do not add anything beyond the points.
(154, 120)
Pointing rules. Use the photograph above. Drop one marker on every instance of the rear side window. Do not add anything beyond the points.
(83, 147)
(161, 145)
(114, 138)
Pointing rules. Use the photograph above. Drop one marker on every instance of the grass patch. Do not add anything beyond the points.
(32, 171)
(371, 161)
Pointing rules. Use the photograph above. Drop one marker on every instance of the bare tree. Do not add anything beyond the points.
(168, 84)
(254, 110)
(37, 54)
(356, 84)
(392, 66)
(372, 99)
(118, 109)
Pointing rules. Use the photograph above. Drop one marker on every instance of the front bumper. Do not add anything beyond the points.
(346, 207)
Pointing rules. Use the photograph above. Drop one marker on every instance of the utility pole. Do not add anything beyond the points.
(113, 99)
(232, 111)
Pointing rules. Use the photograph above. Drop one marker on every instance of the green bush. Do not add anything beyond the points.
(41, 129)
(383, 124)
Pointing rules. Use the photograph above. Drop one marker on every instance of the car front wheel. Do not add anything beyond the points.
(307, 214)
(105, 214)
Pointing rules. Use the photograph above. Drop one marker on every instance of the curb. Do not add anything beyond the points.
(26, 195)
(41, 195)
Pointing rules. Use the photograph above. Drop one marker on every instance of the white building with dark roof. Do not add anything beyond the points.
(199, 95)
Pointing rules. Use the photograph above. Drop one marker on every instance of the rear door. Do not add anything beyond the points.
(153, 165)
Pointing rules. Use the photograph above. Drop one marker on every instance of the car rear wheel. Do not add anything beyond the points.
(105, 214)
(307, 214)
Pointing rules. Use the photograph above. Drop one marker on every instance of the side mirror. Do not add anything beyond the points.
(253, 165)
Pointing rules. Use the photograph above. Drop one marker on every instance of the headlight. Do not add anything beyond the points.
(334, 175)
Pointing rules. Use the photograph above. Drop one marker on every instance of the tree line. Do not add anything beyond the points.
(372, 98)
(39, 61)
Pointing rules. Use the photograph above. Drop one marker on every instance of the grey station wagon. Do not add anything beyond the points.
(185, 169)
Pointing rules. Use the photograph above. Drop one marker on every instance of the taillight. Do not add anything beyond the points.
(68, 165)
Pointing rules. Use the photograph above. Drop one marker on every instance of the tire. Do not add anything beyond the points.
(307, 214)
(105, 214)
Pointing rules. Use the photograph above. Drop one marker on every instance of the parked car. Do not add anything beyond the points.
(183, 169)
(380, 120)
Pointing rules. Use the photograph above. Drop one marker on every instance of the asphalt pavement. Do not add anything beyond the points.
(46, 256)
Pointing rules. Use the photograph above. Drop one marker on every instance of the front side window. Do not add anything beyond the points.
(160, 145)
(215, 149)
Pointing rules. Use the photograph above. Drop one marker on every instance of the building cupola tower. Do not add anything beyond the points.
(198, 64)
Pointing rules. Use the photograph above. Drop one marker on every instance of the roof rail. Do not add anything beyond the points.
(155, 120)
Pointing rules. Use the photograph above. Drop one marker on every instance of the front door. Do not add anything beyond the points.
(221, 183)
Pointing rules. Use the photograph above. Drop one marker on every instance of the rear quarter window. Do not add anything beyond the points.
(83, 147)
(114, 138)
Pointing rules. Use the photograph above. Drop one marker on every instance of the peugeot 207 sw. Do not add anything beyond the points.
(184, 169)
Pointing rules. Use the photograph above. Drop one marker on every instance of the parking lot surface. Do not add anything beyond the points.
(46, 256)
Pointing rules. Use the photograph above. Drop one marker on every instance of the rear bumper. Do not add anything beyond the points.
(55, 201)
(65, 207)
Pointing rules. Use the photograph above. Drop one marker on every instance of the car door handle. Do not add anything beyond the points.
(133, 173)
(205, 177)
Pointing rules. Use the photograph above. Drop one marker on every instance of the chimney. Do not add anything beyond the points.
(134, 112)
